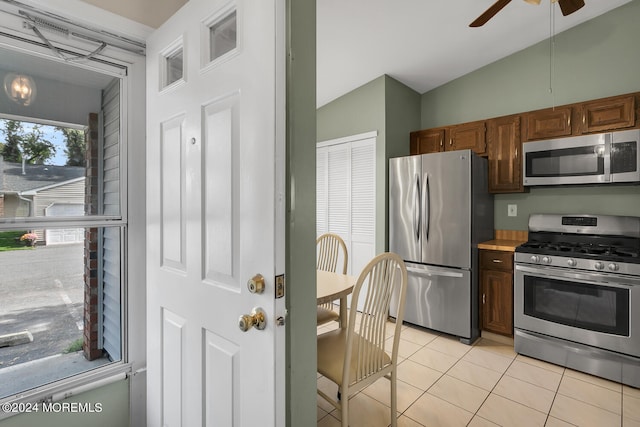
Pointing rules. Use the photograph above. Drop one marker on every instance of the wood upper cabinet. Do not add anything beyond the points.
(427, 141)
(459, 137)
(548, 123)
(468, 136)
(608, 114)
(504, 149)
(496, 284)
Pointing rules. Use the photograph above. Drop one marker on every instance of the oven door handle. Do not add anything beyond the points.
(613, 280)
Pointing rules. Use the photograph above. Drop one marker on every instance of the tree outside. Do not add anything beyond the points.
(75, 146)
(40, 144)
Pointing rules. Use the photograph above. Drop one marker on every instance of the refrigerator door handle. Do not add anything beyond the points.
(416, 211)
(423, 272)
(427, 208)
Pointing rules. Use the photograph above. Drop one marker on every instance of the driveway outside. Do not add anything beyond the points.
(41, 291)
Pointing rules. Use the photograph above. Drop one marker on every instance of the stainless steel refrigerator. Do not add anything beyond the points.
(439, 210)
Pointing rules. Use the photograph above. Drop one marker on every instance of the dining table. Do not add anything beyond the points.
(331, 286)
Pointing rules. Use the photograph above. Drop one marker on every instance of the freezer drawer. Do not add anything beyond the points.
(439, 298)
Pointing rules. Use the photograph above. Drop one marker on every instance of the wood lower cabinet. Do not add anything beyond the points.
(427, 141)
(496, 296)
(504, 149)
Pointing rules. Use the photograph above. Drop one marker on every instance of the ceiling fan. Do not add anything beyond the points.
(566, 6)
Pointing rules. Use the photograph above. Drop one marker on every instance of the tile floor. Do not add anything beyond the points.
(442, 382)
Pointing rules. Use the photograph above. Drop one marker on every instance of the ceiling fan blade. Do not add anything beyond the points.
(569, 6)
(489, 13)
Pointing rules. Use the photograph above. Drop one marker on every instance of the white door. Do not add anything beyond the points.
(215, 214)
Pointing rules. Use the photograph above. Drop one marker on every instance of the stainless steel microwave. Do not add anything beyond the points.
(612, 157)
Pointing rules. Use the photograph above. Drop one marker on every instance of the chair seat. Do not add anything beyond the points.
(331, 348)
(325, 315)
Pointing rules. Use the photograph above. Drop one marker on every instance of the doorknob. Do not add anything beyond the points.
(257, 319)
(256, 284)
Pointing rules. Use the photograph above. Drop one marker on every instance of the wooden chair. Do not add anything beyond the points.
(329, 248)
(355, 357)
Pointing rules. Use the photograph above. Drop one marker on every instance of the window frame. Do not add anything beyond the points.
(130, 69)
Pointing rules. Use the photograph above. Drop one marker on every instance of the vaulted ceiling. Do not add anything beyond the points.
(422, 43)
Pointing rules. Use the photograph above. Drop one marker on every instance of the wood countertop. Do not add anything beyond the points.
(501, 245)
(505, 240)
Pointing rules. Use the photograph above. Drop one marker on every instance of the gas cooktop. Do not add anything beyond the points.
(614, 251)
(584, 242)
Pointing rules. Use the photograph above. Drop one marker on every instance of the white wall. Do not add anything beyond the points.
(54, 101)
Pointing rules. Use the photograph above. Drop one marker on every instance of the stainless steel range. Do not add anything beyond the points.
(577, 294)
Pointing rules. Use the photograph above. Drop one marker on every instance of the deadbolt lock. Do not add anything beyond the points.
(257, 319)
(256, 284)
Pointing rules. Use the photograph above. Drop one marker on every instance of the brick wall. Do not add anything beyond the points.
(91, 346)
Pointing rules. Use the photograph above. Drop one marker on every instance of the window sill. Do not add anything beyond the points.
(68, 387)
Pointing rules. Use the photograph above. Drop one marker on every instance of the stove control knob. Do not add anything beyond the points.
(571, 262)
(546, 260)
(613, 266)
(599, 265)
(535, 258)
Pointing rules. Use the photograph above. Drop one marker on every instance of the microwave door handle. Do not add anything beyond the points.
(607, 157)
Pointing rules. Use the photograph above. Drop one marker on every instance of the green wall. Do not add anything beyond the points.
(114, 399)
(301, 399)
(383, 105)
(596, 59)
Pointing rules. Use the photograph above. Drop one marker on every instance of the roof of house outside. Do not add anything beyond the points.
(36, 176)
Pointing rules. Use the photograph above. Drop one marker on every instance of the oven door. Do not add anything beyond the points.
(595, 309)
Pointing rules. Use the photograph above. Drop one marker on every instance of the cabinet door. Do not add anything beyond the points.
(505, 155)
(427, 141)
(549, 123)
(468, 136)
(497, 301)
(608, 114)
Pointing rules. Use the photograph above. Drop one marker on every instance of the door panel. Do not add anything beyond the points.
(214, 110)
(439, 299)
(446, 201)
(405, 207)
(172, 189)
(220, 178)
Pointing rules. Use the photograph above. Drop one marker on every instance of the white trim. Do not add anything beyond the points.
(88, 14)
(344, 139)
(43, 122)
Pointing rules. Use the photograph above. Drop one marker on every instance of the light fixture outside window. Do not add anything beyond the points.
(20, 88)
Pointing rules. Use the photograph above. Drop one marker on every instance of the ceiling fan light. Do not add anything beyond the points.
(20, 88)
(533, 1)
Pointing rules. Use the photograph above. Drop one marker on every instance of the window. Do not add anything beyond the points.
(222, 36)
(63, 231)
(174, 67)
